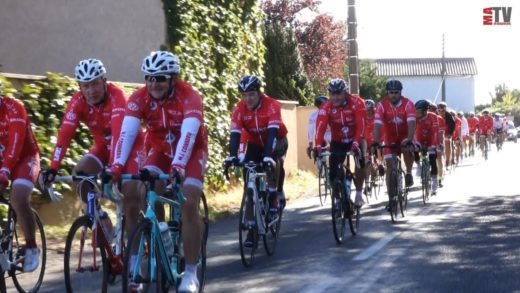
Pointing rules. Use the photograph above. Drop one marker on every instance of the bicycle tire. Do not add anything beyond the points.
(338, 211)
(201, 265)
(425, 181)
(3, 289)
(20, 278)
(393, 191)
(247, 254)
(75, 279)
(272, 229)
(322, 184)
(143, 232)
(403, 196)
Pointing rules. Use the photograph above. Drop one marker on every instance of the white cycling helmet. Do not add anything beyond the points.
(89, 69)
(161, 62)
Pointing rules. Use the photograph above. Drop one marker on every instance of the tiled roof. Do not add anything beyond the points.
(425, 66)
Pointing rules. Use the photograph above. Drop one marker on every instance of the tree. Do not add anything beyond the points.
(323, 49)
(500, 91)
(284, 74)
(284, 12)
(371, 85)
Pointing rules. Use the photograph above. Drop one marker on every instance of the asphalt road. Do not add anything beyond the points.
(466, 239)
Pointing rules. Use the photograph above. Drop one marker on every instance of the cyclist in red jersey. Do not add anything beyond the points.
(450, 127)
(345, 115)
(369, 130)
(100, 106)
(177, 138)
(457, 136)
(427, 134)
(485, 123)
(473, 124)
(20, 163)
(259, 116)
(396, 114)
(440, 149)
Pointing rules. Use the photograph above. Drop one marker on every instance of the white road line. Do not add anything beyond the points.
(381, 243)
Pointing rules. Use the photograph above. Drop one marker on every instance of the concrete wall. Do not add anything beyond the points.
(303, 114)
(291, 122)
(53, 35)
(460, 91)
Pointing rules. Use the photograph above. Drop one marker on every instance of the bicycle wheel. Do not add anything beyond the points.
(245, 228)
(28, 281)
(201, 265)
(270, 238)
(425, 182)
(403, 195)
(85, 262)
(322, 184)
(393, 191)
(353, 215)
(338, 211)
(138, 264)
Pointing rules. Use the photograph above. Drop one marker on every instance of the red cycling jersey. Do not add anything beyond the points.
(164, 119)
(442, 124)
(485, 125)
(256, 122)
(395, 119)
(458, 126)
(103, 122)
(17, 140)
(473, 125)
(347, 122)
(427, 130)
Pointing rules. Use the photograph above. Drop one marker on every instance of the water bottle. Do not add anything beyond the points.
(166, 238)
(91, 202)
(106, 225)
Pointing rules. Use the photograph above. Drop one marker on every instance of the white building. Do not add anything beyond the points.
(421, 78)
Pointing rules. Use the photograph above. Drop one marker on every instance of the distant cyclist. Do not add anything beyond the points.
(312, 125)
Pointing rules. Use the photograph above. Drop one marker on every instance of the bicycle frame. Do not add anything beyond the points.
(170, 267)
(252, 176)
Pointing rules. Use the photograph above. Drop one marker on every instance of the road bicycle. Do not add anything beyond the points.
(397, 191)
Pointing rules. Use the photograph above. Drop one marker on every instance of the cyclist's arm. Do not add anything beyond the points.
(116, 120)
(378, 122)
(410, 120)
(68, 127)
(435, 130)
(273, 126)
(312, 126)
(322, 122)
(359, 118)
(16, 136)
(236, 131)
(129, 130)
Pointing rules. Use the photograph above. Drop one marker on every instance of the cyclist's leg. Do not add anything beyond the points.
(92, 163)
(280, 150)
(447, 145)
(408, 156)
(432, 156)
(24, 176)
(191, 220)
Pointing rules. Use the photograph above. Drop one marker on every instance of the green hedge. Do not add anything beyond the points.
(217, 43)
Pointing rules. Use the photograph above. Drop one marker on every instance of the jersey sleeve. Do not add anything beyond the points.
(135, 105)
(359, 117)
(435, 130)
(312, 125)
(191, 124)
(116, 119)
(379, 113)
(236, 120)
(410, 111)
(68, 127)
(17, 124)
(321, 125)
(275, 115)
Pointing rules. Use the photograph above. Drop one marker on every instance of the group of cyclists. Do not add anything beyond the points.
(160, 127)
(345, 123)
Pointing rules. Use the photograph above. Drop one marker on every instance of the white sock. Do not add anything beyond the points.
(190, 269)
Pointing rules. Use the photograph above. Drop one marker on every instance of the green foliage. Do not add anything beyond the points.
(508, 104)
(371, 86)
(285, 76)
(217, 41)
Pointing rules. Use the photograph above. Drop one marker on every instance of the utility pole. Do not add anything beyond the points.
(353, 61)
(443, 72)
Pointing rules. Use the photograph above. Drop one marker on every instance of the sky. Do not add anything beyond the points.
(414, 28)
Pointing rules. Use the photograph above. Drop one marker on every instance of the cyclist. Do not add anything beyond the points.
(450, 127)
(485, 127)
(369, 129)
(20, 163)
(396, 113)
(173, 115)
(464, 132)
(100, 106)
(440, 149)
(456, 138)
(427, 134)
(498, 126)
(473, 126)
(312, 125)
(344, 114)
(260, 117)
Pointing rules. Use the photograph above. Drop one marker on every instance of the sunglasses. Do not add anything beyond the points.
(393, 92)
(157, 78)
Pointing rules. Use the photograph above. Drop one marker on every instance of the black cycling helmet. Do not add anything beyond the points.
(337, 86)
(318, 101)
(249, 83)
(370, 104)
(422, 105)
(394, 85)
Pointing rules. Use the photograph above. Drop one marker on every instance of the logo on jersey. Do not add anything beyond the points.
(133, 106)
(170, 138)
(345, 131)
(322, 112)
(397, 121)
(248, 117)
(71, 116)
(153, 106)
(57, 154)
(2, 149)
(90, 110)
